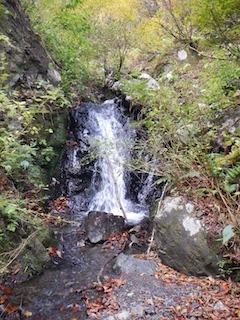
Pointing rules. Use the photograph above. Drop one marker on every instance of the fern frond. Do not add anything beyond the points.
(233, 174)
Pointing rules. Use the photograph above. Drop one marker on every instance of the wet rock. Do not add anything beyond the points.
(100, 225)
(134, 265)
(182, 240)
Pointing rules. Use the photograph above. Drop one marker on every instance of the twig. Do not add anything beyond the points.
(106, 263)
(153, 231)
(17, 251)
(205, 55)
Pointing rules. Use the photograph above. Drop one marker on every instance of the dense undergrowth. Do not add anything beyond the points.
(104, 41)
(28, 153)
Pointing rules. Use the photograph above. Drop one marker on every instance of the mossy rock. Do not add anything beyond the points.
(182, 241)
(35, 257)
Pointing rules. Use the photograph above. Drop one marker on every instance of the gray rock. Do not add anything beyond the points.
(135, 265)
(219, 306)
(100, 225)
(182, 241)
(54, 76)
(150, 310)
(138, 311)
(124, 315)
(152, 83)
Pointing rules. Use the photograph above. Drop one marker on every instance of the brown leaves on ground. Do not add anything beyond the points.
(59, 205)
(55, 252)
(117, 241)
(108, 301)
(7, 309)
(212, 298)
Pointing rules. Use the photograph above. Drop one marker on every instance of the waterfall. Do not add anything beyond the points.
(111, 138)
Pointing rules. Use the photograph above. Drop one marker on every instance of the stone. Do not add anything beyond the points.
(124, 315)
(150, 310)
(138, 311)
(54, 76)
(100, 225)
(152, 83)
(129, 264)
(181, 239)
(182, 55)
(219, 306)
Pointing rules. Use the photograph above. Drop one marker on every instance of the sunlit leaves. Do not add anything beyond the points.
(219, 21)
(116, 10)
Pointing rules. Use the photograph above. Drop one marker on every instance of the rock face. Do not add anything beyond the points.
(77, 172)
(181, 239)
(101, 225)
(26, 59)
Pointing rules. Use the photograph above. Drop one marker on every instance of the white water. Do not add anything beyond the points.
(113, 141)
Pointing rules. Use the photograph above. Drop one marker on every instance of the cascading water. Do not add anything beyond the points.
(112, 137)
(99, 150)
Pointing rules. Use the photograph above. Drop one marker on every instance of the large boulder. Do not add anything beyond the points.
(182, 241)
(100, 225)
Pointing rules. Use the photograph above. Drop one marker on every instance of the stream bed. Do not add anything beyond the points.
(58, 293)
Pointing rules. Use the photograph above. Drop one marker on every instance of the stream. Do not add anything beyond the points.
(96, 179)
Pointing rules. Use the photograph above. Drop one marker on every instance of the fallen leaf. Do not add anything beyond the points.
(15, 269)
(27, 314)
(59, 253)
(7, 290)
(75, 309)
(52, 251)
(62, 309)
(3, 299)
(10, 309)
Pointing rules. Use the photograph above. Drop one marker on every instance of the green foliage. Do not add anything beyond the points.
(219, 22)
(23, 140)
(26, 126)
(226, 167)
(62, 27)
(221, 80)
(175, 19)
(16, 215)
(3, 63)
